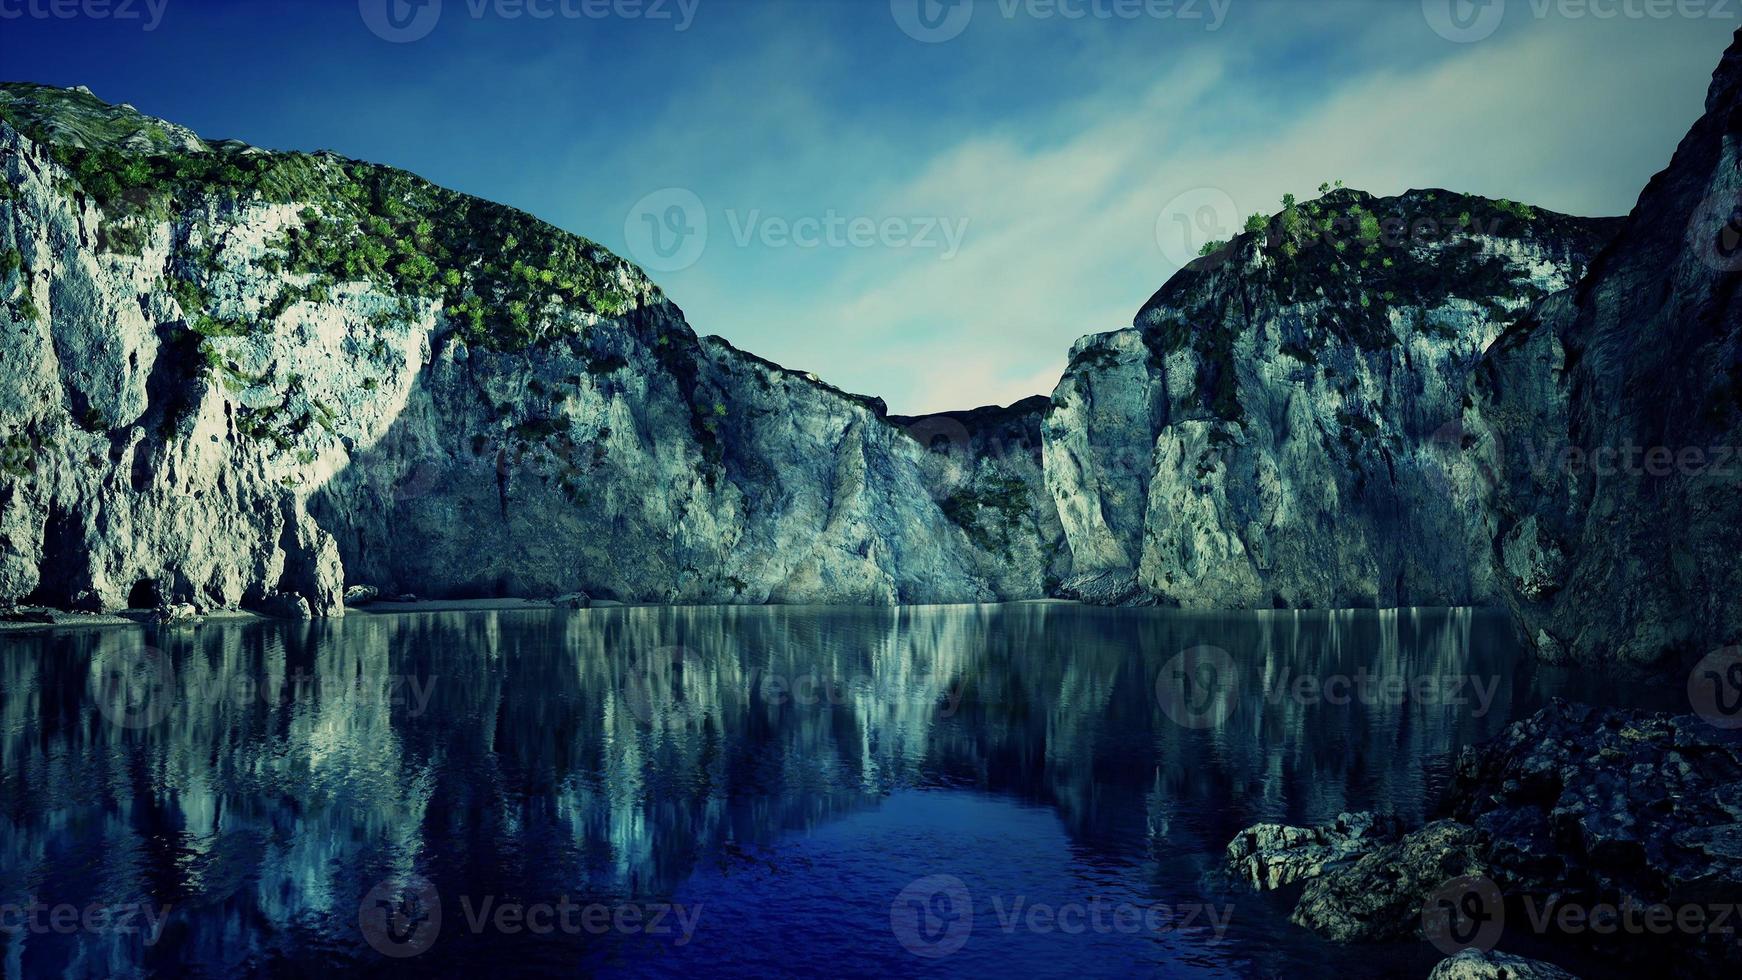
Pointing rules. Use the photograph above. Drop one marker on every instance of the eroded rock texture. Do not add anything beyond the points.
(237, 377)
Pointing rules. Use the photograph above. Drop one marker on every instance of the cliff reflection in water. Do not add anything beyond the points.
(609, 753)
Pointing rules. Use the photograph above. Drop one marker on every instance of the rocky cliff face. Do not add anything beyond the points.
(1611, 418)
(1281, 425)
(236, 377)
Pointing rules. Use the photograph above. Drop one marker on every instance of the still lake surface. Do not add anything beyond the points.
(1028, 789)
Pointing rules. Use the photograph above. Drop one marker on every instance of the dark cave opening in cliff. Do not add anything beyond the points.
(145, 594)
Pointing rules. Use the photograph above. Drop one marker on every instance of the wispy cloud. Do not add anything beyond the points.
(1062, 233)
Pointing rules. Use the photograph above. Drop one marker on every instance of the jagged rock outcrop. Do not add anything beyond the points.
(1586, 806)
(237, 377)
(985, 470)
(1612, 418)
(1616, 831)
(1281, 424)
(1272, 855)
(1381, 896)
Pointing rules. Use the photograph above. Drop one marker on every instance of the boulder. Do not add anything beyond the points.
(176, 614)
(1381, 895)
(1593, 807)
(286, 605)
(358, 595)
(1271, 855)
(1473, 964)
(573, 600)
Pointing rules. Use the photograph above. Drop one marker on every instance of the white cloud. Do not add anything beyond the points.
(1063, 237)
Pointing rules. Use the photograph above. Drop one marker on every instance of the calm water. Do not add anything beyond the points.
(758, 791)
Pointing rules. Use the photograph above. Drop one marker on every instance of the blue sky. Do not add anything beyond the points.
(931, 214)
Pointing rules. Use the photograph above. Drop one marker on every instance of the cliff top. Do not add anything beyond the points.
(501, 274)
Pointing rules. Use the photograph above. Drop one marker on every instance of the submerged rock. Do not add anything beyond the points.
(1270, 855)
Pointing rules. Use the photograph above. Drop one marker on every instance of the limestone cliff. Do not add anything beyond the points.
(238, 377)
(1281, 424)
(230, 376)
(1612, 418)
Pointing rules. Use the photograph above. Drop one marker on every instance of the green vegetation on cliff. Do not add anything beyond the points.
(494, 269)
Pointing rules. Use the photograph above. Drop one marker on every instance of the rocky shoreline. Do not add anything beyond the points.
(1614, 832)
(20, 619)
